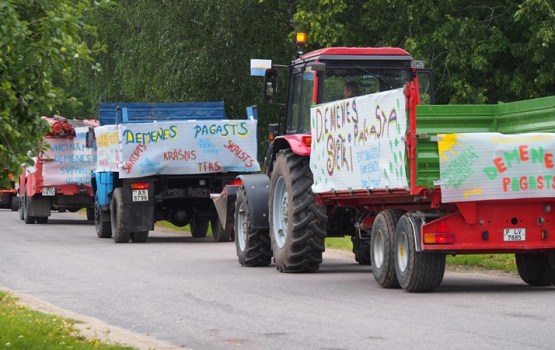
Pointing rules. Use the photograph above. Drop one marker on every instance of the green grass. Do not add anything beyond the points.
(183, 229)
(341, 243)
(169, 225)
(499, 262)
(23, 328)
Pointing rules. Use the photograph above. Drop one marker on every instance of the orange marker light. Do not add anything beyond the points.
(301, 38)
(439, 238)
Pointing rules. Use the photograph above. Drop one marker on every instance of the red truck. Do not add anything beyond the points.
(59, 179)
(8, 196)
(410, 183)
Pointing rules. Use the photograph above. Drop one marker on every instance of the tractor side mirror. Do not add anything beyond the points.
(270, 85)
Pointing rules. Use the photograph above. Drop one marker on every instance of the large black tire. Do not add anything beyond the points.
(26, 217)
(297, 224)
(14, 203)
(253, 246)
(116, 216)
(219, 233)
(535, 269)
(20, 210)
(361, 249)
(139, 237)
(90, 214)
(382, 247)
(416, 271)
(103, 228)
(199, 226)
(42, 219)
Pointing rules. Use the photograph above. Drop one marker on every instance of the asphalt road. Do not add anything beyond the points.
(193, 293)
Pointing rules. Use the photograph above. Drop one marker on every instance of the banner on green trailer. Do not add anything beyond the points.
(528, 116)
(486, 166)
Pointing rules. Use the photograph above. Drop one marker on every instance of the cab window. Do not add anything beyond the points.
(301, 101)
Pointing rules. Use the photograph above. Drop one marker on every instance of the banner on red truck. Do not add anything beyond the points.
(482, 166)
(177, 147)
(358, 143)
(68, 161)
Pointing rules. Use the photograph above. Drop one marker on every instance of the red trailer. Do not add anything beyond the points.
(59, 179)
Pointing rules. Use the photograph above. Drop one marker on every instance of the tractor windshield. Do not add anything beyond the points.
(342, 83)
(333, 82)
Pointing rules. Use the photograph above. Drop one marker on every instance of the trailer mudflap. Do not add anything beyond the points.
(39, 206)
(225, 203)
(138, 217)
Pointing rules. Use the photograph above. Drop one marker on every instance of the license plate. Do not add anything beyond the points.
(49, 191)
(514, 234)
(140, 195)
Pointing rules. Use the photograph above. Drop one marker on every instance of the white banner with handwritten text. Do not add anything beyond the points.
(482, 166)
(68, 161)
(358, 143)
(178, 147)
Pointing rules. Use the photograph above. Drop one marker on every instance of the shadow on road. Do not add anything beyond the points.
(81, 222)
(181, 239)
(488, 284)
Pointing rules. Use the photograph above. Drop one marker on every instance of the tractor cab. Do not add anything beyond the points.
(324, 75)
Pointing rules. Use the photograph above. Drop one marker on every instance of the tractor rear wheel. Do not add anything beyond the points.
(297, 224)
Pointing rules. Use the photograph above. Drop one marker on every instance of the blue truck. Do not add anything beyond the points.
(165, 161)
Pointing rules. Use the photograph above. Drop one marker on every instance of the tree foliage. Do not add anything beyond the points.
(199, 50)
(481, 52)
(40, 40)
(188, 50)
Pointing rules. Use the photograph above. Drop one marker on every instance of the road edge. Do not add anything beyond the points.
(93, 328)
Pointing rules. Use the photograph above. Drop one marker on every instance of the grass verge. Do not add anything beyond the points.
(184, 229)
(23, 328)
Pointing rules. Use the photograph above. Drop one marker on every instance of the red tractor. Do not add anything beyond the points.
(409, 182)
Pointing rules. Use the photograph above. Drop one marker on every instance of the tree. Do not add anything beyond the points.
(40, 41)
(481, 52)
(187, 50)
